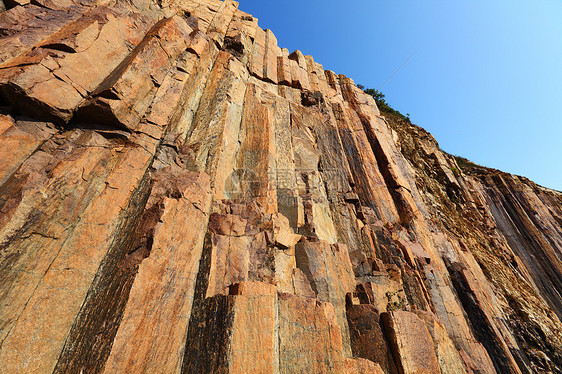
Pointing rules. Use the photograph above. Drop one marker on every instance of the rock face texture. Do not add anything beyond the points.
(178, 194)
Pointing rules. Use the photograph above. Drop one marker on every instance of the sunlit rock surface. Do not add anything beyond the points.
(180, 194)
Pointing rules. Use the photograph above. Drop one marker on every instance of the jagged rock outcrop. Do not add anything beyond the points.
(180, 194)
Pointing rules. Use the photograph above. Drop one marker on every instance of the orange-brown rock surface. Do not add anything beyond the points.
(180, 194)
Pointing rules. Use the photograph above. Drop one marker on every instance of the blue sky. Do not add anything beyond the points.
(485, 78)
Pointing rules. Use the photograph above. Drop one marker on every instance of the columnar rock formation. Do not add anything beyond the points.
(180, 194)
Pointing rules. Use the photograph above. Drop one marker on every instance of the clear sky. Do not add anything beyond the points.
(484, 77)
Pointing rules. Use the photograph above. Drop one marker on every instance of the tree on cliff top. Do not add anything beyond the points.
(381, 102)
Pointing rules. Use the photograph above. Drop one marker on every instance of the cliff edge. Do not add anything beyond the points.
(180, 194)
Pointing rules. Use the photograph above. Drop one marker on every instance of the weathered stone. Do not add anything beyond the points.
(411, 343)
(322, 264)
(253, 342)
(272, 51)
(311, 98)
(53, 84)
(236, 333)
(282, 232)
(63, 264)
(284, 68)
(161, 297)
(305, 322)
(219, 25)
(122, 100)
(258, 54)
(361, 366)
(227, 224)
(299, 73)
(179, 194)
(18, 141)
(230, 261)
(450, 360)
(212, 138)
(256, 148)
(367, 338)
(207, 343)
(241, 31)
(24, 27)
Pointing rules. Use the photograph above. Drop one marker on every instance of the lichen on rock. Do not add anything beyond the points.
(180, 194)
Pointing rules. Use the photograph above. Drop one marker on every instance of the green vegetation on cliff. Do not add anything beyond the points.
(383, 106)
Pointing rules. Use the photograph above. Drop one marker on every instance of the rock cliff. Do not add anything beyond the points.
(180, 194)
